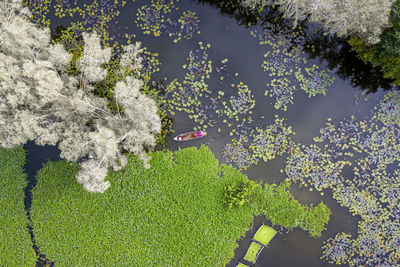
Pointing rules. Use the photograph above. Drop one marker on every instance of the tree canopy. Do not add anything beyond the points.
(40, 101)
(365, 19)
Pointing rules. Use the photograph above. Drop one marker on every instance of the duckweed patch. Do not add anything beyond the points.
(153, 216)
(15, 241)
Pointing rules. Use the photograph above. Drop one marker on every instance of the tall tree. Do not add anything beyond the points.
(40, 101)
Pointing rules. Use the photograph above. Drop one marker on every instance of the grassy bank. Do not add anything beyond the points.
(172, 214)
(15, 242)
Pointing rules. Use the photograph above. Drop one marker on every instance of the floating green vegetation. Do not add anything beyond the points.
(279, 206)
(311, 165)
(153, 19)
(337, 250)
(282, 90)
(156, 216)
(281, 62)
(388, 111)
(241, 104)
(372, 148)
(284, 60)
(236, 153)
(15, 241)
(315, 81)
(150, 65)
(253, 142)
(186, 26)
(272, 141)
(186, 96)
(39, 10)
(236, 194)
(96, 16)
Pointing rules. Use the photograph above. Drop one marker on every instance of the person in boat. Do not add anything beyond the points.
(198, 134)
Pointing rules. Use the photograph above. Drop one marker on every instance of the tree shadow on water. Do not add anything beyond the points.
(36, 157)
(338, 55)
(328, 49)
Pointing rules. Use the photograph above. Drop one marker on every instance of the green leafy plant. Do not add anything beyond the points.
(315, 219)
(236, 194)
(386, 53)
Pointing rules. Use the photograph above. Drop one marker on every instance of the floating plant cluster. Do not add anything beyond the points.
(241, 104)
(150, 65)
(311, 165)
(186, 26)
(339, 249)
(273, 141)
(388, 111)
(262, 143)
(282, 62)
(372, 147)
(186, 96)
(315, 81)
(92, 17)
(282, 90)
(236, 153)
(153, 19)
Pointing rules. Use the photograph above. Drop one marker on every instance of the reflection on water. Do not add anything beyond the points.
(338, 55)
(36, 157)
(334, 51)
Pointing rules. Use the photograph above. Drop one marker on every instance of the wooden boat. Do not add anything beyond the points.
(189, 136)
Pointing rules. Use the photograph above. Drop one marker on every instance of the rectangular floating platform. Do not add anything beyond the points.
(260, 240)
(253, 252)
(264, 234)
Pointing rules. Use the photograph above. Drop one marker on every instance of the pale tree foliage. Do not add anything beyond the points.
(362, 18)
(131, 54)
(92, 59)
(39, 101)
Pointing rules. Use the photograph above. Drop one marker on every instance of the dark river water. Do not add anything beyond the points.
(229, 39)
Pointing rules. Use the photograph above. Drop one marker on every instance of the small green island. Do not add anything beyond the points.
(172, 214)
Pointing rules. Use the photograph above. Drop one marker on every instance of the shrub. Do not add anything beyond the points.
(315, 219)
(236, 194)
